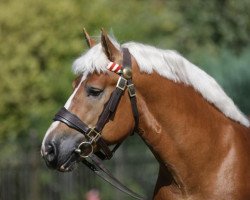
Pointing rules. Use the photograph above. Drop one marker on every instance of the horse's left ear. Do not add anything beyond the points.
(90, 42)
(111, 51)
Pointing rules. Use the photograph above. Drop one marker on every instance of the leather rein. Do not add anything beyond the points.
(93, 135)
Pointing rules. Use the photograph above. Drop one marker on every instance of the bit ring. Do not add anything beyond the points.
(85, 149)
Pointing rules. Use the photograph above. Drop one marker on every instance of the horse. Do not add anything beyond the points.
(197, 134)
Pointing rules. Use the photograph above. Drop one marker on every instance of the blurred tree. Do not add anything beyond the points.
(34, 54)
(40, 39)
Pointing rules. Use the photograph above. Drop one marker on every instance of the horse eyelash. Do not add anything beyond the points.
(95, 92)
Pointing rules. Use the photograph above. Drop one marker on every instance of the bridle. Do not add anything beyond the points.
(93, 160)
(93, 135)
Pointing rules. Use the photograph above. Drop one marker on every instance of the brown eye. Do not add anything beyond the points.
(95, 92)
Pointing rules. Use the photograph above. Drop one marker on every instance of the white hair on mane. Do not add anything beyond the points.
(170, 65)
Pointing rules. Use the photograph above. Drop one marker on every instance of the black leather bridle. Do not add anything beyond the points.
(93, 135)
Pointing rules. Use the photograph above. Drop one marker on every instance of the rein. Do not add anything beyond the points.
(93, 135)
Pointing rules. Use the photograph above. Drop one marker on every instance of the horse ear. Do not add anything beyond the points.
(111, 51)
(90, 42)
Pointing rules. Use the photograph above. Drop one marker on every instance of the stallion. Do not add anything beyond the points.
(199, 137)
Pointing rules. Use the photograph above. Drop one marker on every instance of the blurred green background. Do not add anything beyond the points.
(39, 40)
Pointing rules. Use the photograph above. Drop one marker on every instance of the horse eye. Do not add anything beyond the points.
(95, 92)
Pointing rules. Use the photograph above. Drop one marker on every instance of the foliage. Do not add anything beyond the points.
(40, 39)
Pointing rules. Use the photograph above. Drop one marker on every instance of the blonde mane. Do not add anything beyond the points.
(170, 65)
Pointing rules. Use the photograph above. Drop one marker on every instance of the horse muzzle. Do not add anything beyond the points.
(61, 153)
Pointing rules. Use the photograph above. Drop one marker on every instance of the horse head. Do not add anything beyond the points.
(92, 93)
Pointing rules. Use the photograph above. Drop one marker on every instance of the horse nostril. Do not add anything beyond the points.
(50, 153)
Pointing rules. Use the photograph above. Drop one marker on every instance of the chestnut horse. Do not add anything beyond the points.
(200, 139)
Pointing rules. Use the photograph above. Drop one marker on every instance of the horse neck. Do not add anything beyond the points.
(182, 129)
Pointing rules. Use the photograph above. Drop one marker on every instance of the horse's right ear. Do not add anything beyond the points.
(111, 51)
(90, 42)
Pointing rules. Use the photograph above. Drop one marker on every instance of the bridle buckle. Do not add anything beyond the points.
(121, 83)
(93, 135)
(131, 90)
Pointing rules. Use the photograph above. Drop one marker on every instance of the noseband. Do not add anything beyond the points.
(93, 135)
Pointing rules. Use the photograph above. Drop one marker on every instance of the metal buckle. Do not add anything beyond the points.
(121, 83)
(131, 90)
(93, 135)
